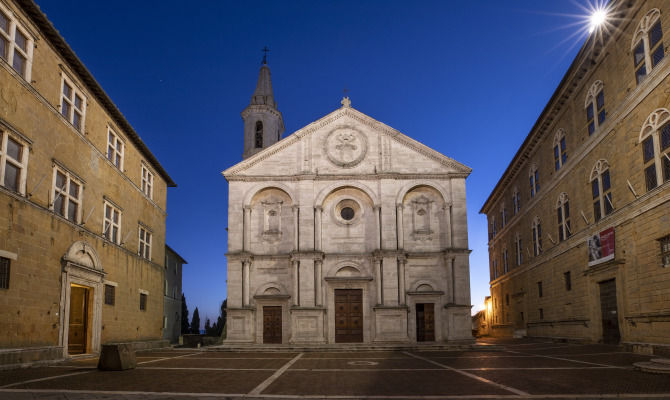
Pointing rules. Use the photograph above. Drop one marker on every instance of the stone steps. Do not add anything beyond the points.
(655, 366)
(349, 347)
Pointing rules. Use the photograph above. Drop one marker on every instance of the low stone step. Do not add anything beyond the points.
(661, 360)
(353, 347)
(653, 367)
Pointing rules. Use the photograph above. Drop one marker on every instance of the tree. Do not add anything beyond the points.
(221, 321)
(208, 327)
(185, 327)
(195, 322)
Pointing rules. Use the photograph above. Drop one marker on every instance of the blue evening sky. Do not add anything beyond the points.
(468, 79)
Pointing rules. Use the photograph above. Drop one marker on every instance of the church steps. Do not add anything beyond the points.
(349, 347)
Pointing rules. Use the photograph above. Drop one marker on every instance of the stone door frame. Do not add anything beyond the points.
(363, 283)
(81, 266)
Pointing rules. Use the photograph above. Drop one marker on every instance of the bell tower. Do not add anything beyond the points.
(263, 123)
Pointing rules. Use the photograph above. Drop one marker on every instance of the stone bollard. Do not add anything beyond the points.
(117, 357)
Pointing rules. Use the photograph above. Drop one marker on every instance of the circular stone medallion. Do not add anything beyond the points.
(367, 363)
(346, 146)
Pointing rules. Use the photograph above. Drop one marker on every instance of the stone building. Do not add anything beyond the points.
(345, 231)
(174, 264)
(83, 200)
(579, 223)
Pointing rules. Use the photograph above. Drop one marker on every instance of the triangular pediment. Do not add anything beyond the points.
(346, 142)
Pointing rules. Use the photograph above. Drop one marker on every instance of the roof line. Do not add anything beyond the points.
(578, 60)
(176, 254)
(54, 37)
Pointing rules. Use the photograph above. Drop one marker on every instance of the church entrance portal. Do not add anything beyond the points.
(608, 308)
(425, 322)
(272, 324)
(78, 329)
(348, 315)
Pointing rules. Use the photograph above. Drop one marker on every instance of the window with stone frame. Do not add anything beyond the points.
(494, 267)
(568, 280)
(13, 162)
(111, 227)
(595, 107)
(147, 182)
(563, 215)
(655, 140)
(647, 44)
(665, 250)
(16, 45)
(493, 229)
(505, 262)
(503, 216)
(5, 264)
(143, 301)
(537, 237)
(516, 201)
(518, 248)
(72, 104)
(601, 190)
(272, 211)
(259, 135)
(144, 249)
(115, 148)
(539, 289)
(66, 194)
(560, 149)
(534, 176)
(110, 295)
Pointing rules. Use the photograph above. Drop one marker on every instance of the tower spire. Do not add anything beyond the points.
(265, 51)
(263, 123)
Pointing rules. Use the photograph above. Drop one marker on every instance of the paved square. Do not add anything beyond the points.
(513, 369)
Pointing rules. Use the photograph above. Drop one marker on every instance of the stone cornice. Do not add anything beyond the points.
(339, 177)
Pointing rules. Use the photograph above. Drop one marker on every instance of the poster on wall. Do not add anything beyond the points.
(601, 247)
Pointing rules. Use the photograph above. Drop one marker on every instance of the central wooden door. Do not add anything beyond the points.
(78, 320)
(348, 315)
(425, 322)
(272, 324)
(608, 308)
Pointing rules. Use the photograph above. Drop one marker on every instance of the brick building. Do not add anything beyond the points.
(579, 223)
(82, 200)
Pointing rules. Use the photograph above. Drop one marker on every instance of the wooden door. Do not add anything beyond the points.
(78, 320)
(272, 324)
(425, 322)
(348, 315)
(608, 308)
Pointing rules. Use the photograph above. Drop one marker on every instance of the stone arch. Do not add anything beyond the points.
(653, 122)
(263, 186)
(345, 267)
(598, 168)
(595, 88)
(560, 133)
(646, 23)
(271, 288)
(323, 194)
(562, 198)
(424, 285)
(446, 198)
(83, 254)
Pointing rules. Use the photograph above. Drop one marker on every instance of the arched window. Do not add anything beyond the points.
(560, 150)
(595, 107)
(494, 228)
(537, 237)
(516, 201)
(601, 190)
(563, 214)
(259, 134)
(518, 247)
(655, 139)
(534, 176)
(647, 44)
(505, 261)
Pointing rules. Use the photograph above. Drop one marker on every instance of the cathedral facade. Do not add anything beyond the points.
(346, 231)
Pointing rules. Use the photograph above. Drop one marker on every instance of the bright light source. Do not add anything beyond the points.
(597, 18)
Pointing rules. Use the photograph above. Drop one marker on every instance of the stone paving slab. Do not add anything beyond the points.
(582, 381)
(227, 363)
(507, 362)
(468, 354)
(390, 363)
(232, 354)
(358, 354)
(17, 375)
(572, 349)
(386, 383)
(161, 380)
(617, 359)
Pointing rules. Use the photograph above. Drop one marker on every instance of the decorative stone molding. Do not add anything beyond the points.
(345, 146)
(645, 24)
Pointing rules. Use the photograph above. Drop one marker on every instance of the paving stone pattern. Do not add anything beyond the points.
(520, 369)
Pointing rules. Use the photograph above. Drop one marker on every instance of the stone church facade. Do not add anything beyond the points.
(344, 231)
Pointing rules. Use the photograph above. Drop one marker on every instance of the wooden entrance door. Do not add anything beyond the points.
(425, 322)
(78, 320)
(272, 324)
(608, 308)
(348, 315)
